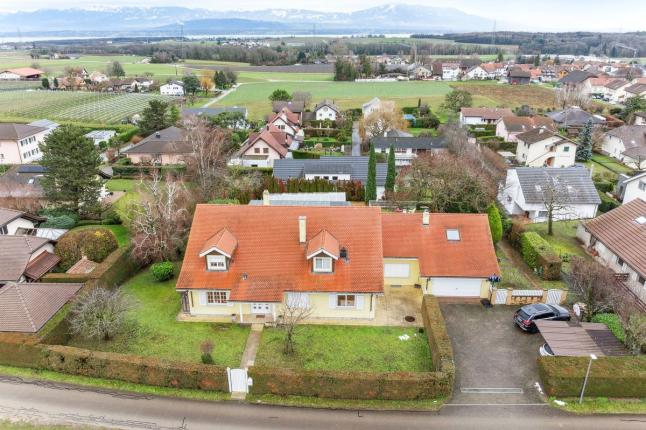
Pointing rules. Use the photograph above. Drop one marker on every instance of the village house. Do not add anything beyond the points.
(408, 148)
(263, 148)
(542, 147)
(339, 262)
(494, 70)
(510, 126)
(451, 71)
(573, 118)
(326, 111)
(20, 187)
(19, 143)
(167, 146)
(630, 188)
(482, 116)
(25, 258)
(371, 106)
(477, 73)
(627, 144)
(419, 72)
(578, 80)
(346, 168)
(287, 121)
(614, 91)
(45, 123)
(12, 220)
(296, 106)
(98, 77)
(635, 90)
(518, 76)
(99, 136)
(618, 239)
(22, 73)
(527, 189)
(172, 88)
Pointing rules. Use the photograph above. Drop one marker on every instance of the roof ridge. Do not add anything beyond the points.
(24, 305)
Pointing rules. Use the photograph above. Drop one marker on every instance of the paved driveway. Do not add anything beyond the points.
(491, 353)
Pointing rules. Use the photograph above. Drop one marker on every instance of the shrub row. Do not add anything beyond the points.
(120, 171)
(94, 243)
(321, 132)
(539, 255)
(305, 155)
(607, 203)
(609, 376)
(438, 337)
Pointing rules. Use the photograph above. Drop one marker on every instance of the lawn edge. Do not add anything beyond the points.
(348, 404)
(590, 403)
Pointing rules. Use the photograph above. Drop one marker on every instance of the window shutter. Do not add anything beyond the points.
(332, 299)
(202, 296)
(360, 302)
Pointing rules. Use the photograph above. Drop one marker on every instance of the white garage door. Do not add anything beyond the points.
(456, 287)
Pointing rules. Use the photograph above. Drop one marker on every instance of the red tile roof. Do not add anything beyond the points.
(41, 265)
(323, 242)
(269, 259)
(223, 241)
(286, 115)
(473, 255)
(486, 113)
(278, 140)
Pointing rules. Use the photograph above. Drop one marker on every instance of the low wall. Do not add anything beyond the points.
(609, 376)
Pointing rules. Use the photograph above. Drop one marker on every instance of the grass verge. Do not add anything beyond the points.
(601, 405)
(317, 402)
(110, 384)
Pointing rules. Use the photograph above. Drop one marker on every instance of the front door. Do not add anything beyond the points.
(260, 308)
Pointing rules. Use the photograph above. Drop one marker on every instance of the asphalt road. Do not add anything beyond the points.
(50, 403)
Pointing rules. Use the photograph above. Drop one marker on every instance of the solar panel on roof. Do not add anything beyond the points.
(31, 168)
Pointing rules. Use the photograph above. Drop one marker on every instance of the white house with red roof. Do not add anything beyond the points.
(287, 121)
(262, 148)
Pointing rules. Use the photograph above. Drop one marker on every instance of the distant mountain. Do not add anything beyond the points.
(394, 18)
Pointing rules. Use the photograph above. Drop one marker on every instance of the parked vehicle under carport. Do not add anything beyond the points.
(526, 316)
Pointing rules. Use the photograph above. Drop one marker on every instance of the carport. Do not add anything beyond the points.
(579, 339)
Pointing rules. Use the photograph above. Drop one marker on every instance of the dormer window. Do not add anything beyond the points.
(323, 264)
(216, 262)
(219, 250)
(452, 234)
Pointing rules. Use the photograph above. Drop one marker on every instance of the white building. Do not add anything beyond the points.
(326, 110)
(19, 143)
(541, 147)
(627, 144)
(98, 136)
(477, 73)
(527, 189)
(11, 220)
(371, 106)
(482, 116)
(450, 71)
(173, 88)
(630, 188)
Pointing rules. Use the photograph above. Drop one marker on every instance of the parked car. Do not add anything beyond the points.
(525, 316)
(545, 351)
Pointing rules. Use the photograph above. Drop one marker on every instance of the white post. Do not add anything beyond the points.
(241, 317)
(587, 374)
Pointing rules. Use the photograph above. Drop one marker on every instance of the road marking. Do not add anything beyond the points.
(471, 390)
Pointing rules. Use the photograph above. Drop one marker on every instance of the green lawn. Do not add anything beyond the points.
(611, 164)
(613, 322)
(512, 276)
(352, 348)
(120, 232)
(563, 240)
(159, 334)
(602, 405)
(127, 185)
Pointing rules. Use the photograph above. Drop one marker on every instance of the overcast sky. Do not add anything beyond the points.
(616, 15)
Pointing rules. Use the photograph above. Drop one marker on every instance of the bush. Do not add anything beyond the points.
(57, 212)
(64, 221)
(540, 256)
(95, 243)
(607, 203)
(224, 202)
(604, 186)
(495, 222)
(613, 322)
(162, 271)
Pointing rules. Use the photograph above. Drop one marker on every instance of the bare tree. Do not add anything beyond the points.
(571, 95)
(380, 121)
(594, 285)
(211, 150)
(100, 314)
(556, 199)
(304, 96)
(159, 221)
(293, 313)
(457, 138)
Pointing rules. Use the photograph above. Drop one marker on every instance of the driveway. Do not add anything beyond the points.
(495, 361)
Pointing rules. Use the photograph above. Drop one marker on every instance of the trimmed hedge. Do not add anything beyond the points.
(609, 376)
(131, 171)
(607, 203)
(539, 255)
(438, 337)
(95, 243)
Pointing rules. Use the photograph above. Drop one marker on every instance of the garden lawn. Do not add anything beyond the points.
(120, 232)
(350, 348)
(611, 164)
(127, 185)
(563, 240)
(159, 334)
(602, 405)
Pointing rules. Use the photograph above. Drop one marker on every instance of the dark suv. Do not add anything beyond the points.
(525, 316)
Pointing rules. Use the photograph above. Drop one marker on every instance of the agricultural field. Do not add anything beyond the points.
(80, 106)
(492, 94)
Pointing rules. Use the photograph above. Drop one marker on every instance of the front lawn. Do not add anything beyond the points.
(601, 405)
(563, 240)
(611, 164)
(159, 334)
(126, 185)
(120, 232)
(371, 349)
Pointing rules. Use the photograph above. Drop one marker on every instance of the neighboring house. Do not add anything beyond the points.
(419, 72)
(630, 188)
(639, 118)
(45, 123)
(297, 107)
(518, 76)
(26, 307)
(302, 199)
(627, 144)
(22, 73)
(635, 90)
(578, 80)
(25, 258)
(339, 262)
(173, 88)
(20, 187)
(166, 146)
(286, 121)
(142, 84)
(263, 148)
(618, 239)
(527, 189)
(71, 83)
(614, 91)
(352, 168)
(326, 110)
(510, 126)
(98, 136)
(98, 77)
(408, 148)
(477, 73)
(12, 220)
(19, 143)
(482, 116)
(542, 147)
(451, 71)
(371, 106)
(494, 70)
(574, 117)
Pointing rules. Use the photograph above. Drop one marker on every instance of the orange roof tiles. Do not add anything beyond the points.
(278, 140)
(223, 242)
(269, 259)
(472, 256)
(323, 242)
(286, 115)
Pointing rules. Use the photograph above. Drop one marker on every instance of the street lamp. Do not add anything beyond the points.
(587, 374)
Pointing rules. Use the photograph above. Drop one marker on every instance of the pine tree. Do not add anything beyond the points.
(155, 117)
(584, 150)
(391, 174)
(72, 164)
(371, 181)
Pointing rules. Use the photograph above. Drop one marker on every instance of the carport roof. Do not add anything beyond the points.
(571, 338)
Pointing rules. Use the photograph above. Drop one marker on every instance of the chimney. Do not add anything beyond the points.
(265, 198)
(302, 229)
(426, 217)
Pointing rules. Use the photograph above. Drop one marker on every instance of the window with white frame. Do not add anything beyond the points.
(323, 264)
(452, 234)
(346, 300)
(216, 297)
(216, 262)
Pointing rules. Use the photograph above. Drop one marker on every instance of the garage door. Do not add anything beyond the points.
(456, 287)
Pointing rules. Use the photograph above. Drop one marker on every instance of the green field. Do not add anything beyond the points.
(79, 106)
